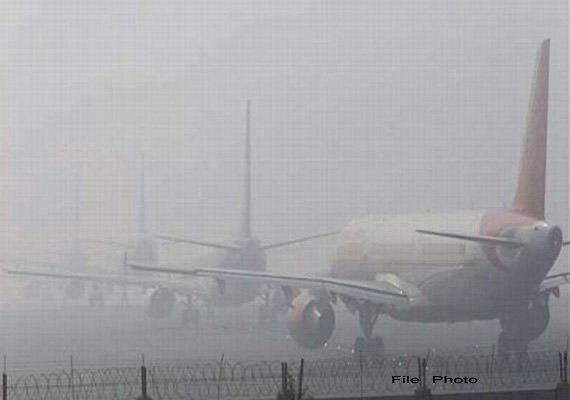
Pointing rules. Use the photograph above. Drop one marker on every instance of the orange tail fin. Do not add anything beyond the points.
(529, 195)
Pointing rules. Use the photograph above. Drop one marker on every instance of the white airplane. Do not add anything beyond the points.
(246, 252)
(74, 259)
(434, 267)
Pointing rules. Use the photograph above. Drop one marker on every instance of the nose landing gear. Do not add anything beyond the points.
(190, 315)
(368, 345)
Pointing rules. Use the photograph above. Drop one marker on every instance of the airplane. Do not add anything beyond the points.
(75, 258)
(245, 252)
(141, 246)
(435, 267)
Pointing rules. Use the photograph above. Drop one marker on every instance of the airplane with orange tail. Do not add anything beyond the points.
(434, 267)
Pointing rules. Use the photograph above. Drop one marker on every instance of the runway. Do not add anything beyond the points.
(38, 332)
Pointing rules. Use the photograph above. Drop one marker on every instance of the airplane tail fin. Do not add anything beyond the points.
(141, 217)
(245, 227)
(76, 212)
(530, 190)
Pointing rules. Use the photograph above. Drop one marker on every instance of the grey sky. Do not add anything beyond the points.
(358, 106)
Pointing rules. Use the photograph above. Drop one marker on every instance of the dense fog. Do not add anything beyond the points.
(357, 108)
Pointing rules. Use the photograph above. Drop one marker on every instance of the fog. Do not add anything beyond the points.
(357, 107)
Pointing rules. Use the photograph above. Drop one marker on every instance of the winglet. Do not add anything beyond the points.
(530, 190)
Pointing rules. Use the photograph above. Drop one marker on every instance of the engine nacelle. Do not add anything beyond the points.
(161, 303)
(311, 321)
(75, 289)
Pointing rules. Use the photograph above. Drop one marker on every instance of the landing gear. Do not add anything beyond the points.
(522, 327)
(190, 315)
(124, 297)
(373, 346)
(508, 344)
(266, 314)
(210, 315)
(96, 298)
(262, 315)
(368, 345)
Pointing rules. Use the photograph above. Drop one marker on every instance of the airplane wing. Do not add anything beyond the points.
(198, 242)
(553, 281)
(144, 281)
(377, 293)
(20, 261)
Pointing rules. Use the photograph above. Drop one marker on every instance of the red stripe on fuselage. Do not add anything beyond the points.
(495, 222)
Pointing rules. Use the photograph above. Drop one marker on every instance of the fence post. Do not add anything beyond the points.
(300, 390)
(361, 368)
(562, 391)
(566, 368)
(72, 383)
(144, 392)
(422, 391)
(220, 377)
(284, 378)
(4, 382)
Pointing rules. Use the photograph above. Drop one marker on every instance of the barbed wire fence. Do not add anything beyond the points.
(360, 376)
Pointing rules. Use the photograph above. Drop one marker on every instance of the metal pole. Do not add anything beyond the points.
(220, 376)
(420, 372)
(4, 381)
(300, 390)
(283, 378)
(143, 379)
(565, 367)
(71, 377)
(560, 367)
(424, 377)
(361, 374)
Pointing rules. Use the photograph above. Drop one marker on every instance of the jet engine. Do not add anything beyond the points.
(311, 320)
(75, 289)
(161, 303)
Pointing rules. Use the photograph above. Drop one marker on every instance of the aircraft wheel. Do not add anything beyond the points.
(92, 300)
(373, 347)
(196, 318)
(376, 346)
(100, 299)
(211, 316)
(508, 344)
(504, 345)
(358, 347)
(262, 315)
(190, 317)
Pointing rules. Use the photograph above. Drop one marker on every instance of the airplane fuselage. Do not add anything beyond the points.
(251, 258)
(453, 280)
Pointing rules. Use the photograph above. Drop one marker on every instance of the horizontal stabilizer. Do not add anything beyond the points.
(490, 240)
(299, 240)
(197, 243)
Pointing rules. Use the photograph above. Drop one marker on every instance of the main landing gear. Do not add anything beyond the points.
(368, 345)
(190, 315)
(523, 326)
(95, 297)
